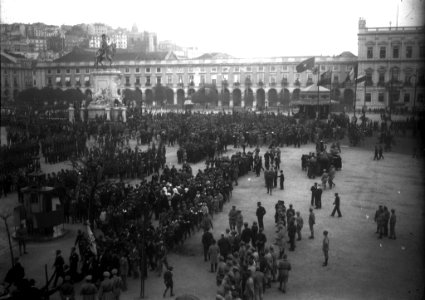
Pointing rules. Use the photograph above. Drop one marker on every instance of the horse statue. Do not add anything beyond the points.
(105, 53)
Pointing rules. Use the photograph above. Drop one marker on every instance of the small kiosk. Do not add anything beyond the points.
(41, 211)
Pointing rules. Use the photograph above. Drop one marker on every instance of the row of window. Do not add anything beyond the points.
(150, 70)
(396, 52)
(394, 76)
(395, 97)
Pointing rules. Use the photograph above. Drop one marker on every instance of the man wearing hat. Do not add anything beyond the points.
(336, 206)
(283, 267)
(58, 265)
(117, 284)
(281, 180)
(207, 239)
(168, 281)
(106, 289)
(232, 218)
(311, 222)
(325, 247)
(66, 290)
(261, 211)
(88, 289)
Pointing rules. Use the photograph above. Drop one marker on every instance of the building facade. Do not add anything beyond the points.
(239, 82)
(392, 58)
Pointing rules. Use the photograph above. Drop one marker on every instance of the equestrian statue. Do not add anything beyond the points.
(105, 52)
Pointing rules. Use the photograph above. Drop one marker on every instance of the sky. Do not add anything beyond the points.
(242, 28)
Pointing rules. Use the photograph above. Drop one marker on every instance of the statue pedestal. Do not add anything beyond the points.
(106, 90)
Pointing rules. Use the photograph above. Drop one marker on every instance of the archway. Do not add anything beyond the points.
(272, 96)
(190, 92)
(285, 97)
(180, 97)
(249, 97)
(225, 100)
(237, 97)
(261, 98)
(296, 94)
(149, 97)
(348, 99)
(170, 96)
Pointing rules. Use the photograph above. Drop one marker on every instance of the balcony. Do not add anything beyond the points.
(380, 84)
(297, 83)
(68, 84)
(180, 85)
(236, 84)
(273, 84)
(368, 83)
(147, 84)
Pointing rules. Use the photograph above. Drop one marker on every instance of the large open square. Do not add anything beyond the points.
(361, 266)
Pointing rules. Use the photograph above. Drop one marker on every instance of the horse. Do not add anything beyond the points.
(108, 54)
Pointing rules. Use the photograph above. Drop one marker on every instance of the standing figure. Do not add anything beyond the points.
(281, 180)
(283, 267)
(58, 265)
(168, 281)
(261, 211)
(325, 247)
(311, 222)
(300, 224)
(313, 193)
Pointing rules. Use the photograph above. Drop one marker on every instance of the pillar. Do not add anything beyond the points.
(71, 113)
(124, 114)
(175, 96)
(242, 102)
(108, 113)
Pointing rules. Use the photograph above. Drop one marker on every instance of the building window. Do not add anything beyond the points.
(48, 71)
(261, 69)
(58, 71)
(272, 80)
(202, 70)
(68, 71)
(381, 79)
(260, 78)
(272, 68)
(395, 52)
(87, 81)
(147, 70)
(382, 52)
(170, 79)
(169, 70)
(406, 98)
(225, 69)
(77, 71)
(214, 80)
(49, 81)
(395, 74)
(127, 70)
(137, 70)
(214, 69)
(158, 79)
(335, 68)
(137, 80)
(236, 69)
(181, 70)
(190, 70)
(368, 97)
(236, 78)
(127, 81)
(158, 70)
(409, 51)
(148, 81)
(248, 69)
(336, 79)
(248, 76)
(369, 52)
(322, 68)
(381, 97)
(180, 79)
(284, 68)
(421, 51)
(191, 80)
(368, 81)
(202, 79)
(77, 81)
(87, 71)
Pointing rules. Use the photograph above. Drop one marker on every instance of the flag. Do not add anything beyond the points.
(307, 64)
(352, 75)
(325, 78)
(92, 240)
(361, 79)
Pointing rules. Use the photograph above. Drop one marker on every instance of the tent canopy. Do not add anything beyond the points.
(313, 88)
(313, 102)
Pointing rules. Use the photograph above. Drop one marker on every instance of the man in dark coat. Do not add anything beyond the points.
(281, 180)
(261, 211)
(336, 207)
(207, 239)
(292, 230)
(246, 234)
(313, 193)
(224, 245)
(318, 197)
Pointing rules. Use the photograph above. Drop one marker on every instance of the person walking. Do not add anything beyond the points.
(117, 284)
(336, 206)
(376, 157)
(88, 289)
(261, 211)
(58, 265)
(239, 221)
(318, 197)
(232, 218)
(311, 222)
(283, 267)
(300, 224)
(393, 220)
(381, 156)
(292, 229)
(22, 236)
(168, 281)
(207, 239)
(213, 253)
(325, 247)
(106, 289)
(313, 193)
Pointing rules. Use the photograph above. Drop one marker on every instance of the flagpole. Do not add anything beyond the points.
(330, 93)
(318, 92)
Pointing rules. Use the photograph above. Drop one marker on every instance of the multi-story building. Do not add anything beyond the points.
(240, 81)
(37, 44)
(142, 41)
(120, 39)
(17, 74)
(392, 58)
